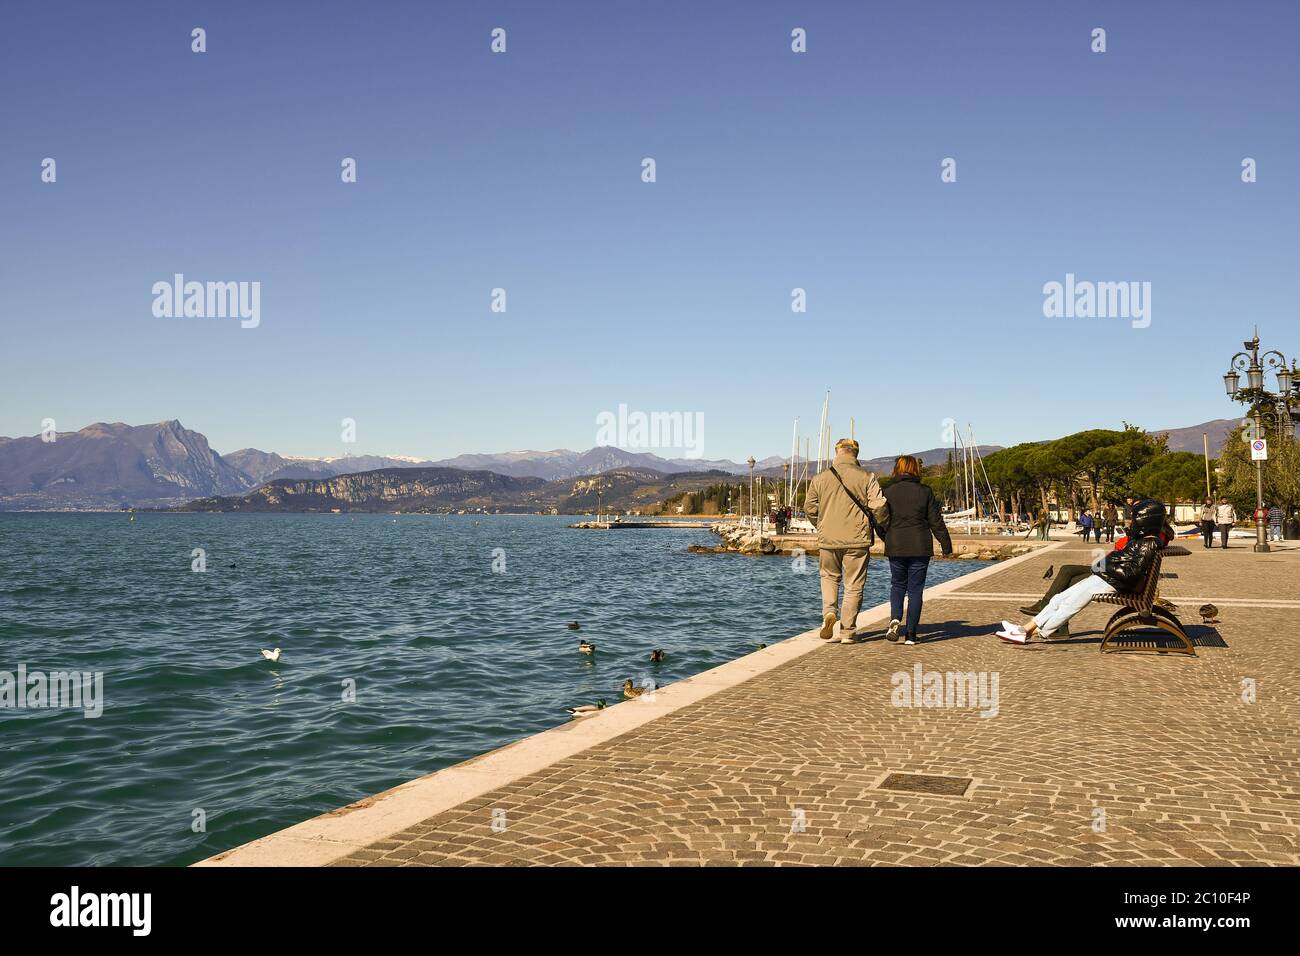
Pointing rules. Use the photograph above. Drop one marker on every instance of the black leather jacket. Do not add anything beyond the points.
(1125, 569)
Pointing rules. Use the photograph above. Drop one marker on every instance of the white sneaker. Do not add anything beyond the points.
(891, 633)
(1008, 626)
(1013, 637)
(848, 639)
(828, 626)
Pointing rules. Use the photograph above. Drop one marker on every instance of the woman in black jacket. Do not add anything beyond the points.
(913, 518)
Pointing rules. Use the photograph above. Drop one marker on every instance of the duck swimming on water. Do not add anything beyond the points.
(587, 710)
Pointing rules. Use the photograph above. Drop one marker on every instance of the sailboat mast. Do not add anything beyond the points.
(984, 471)
(970, 481)
(965, 478)
(958, 478)
(821, 430)
(807, 458)
(952, 470)
(794, 458)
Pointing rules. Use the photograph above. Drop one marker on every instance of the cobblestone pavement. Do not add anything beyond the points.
(1086, 759)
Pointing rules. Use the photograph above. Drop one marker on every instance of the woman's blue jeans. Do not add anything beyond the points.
(907, 577)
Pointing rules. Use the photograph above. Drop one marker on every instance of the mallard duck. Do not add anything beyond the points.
(574, 626)
(1209, 613)
(761, 646)
(586, 648)
(657, 657)
(272, 656)
(587, 710)
(631, 692)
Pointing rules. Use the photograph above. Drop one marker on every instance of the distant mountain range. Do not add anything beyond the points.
(1189, 439)
(437, 489)
(261, 466)
(109, 466)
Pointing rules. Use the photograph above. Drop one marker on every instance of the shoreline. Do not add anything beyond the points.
(737, 539)
(336, 834)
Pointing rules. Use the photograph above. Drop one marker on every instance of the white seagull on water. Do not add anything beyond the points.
(272, 656)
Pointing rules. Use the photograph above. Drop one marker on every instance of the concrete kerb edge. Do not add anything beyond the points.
(331, 836)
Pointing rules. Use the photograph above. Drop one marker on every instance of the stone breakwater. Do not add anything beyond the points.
(737, 538)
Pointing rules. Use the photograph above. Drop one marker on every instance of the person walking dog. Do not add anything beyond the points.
(843, 503)
(914, 520)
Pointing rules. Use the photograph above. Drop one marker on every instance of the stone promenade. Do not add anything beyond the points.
(1080, 759)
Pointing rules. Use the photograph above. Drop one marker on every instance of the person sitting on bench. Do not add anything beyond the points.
(1124, 569)
(1071, 574)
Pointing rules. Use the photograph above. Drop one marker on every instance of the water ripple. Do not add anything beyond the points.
(446, 659)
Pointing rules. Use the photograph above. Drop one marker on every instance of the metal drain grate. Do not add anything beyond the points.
(927, 783)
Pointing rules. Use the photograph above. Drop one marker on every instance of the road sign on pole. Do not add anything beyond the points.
(1259, 449)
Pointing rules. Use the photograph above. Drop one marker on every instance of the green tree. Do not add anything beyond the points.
(1175, 476)
(1281, 473)
(1052, 469)
(1106, 459)
(1014, 481)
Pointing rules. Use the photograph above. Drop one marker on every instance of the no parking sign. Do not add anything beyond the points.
(1259, 449)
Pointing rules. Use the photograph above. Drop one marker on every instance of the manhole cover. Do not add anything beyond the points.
(926, 783)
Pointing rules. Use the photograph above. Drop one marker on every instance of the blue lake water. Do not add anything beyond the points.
(449, 659)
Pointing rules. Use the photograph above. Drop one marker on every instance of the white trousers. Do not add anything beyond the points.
(1069, 603)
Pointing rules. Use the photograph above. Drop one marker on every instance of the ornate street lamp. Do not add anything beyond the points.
(1282, 406)
(752, 463)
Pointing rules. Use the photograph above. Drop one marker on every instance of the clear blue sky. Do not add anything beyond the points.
(522, 171)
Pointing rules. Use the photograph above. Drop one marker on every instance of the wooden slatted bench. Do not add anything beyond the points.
(1144, 608)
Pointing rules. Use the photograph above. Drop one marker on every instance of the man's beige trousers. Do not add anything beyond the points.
(850, 566)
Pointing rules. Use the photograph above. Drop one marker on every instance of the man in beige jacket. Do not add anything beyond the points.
(844, 535)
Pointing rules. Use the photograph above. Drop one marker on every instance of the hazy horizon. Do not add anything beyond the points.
(406, 455)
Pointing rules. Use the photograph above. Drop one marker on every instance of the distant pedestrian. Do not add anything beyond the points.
(1208, 521)
(1109, 519)
(843, 502)
(1086, 523)
(1225, 516)
(1275, 523)
(914, 524)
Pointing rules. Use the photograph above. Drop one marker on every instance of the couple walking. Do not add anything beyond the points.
(848, 508)
(1221, 518)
